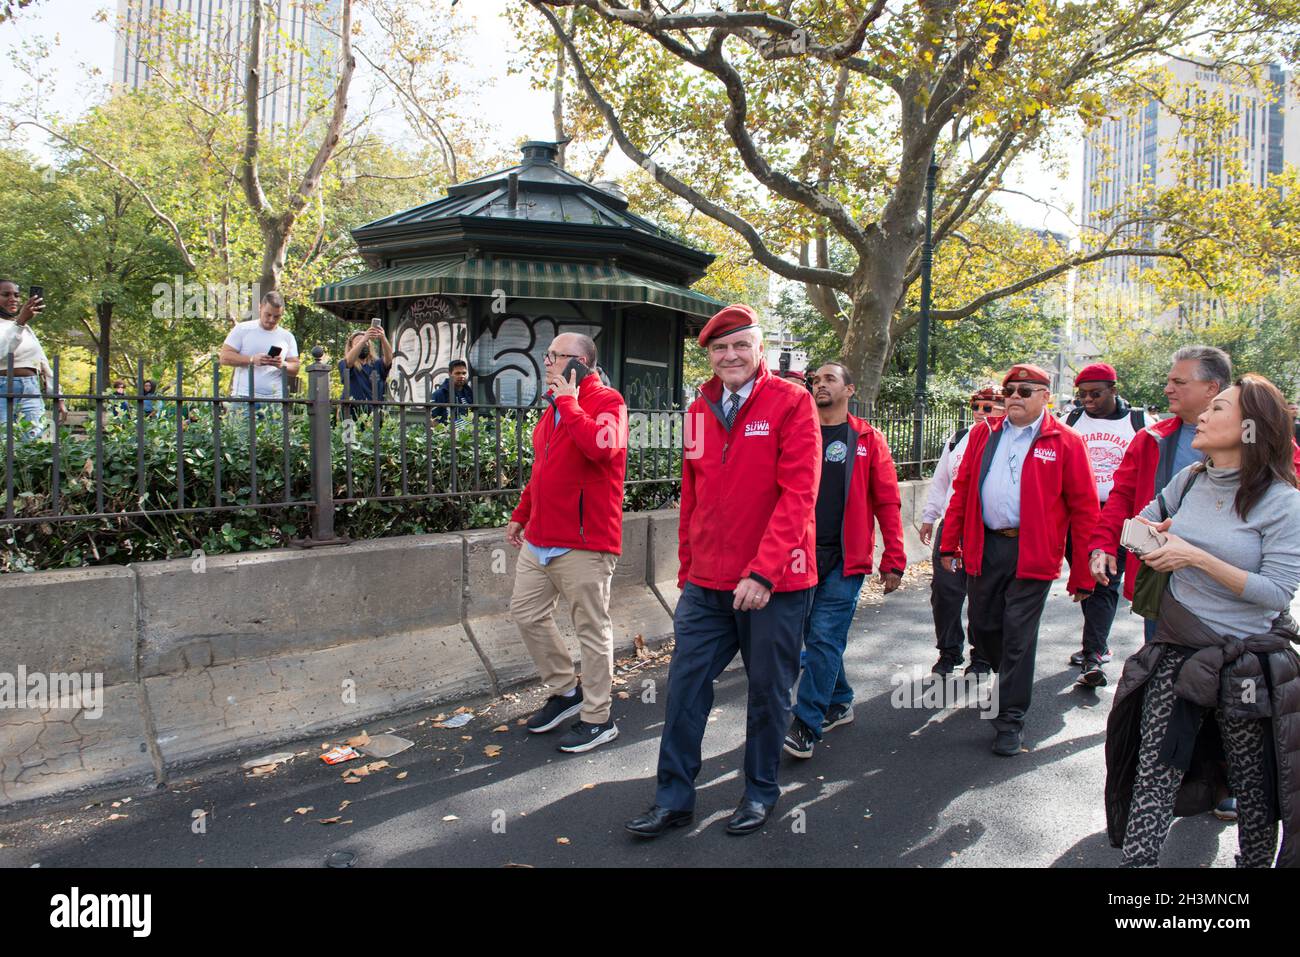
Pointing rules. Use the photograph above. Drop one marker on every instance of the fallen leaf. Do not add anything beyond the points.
(303, 810)
(439, 717)
(521, 722)
(588, 787)
(330, 820)
(492, 750)
(360, 741)
(451, 817)
(351, 780)
(376, 766)
(116, 817)
(561, 840)
(258, 771)
(504, 727)
(402, 775)
(463, 710)
(344, 804)
(116, 804)
(287, 820)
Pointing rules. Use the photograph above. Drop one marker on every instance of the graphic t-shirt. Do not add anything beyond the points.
(830, 497)
(1107, 440)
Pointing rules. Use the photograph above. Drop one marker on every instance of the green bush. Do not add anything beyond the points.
(503, 440)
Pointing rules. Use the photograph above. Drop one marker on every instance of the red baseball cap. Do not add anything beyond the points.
(1097, 372)
(731, 319)
(1024, 372)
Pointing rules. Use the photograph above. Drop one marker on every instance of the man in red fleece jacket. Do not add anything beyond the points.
(746, 546)
(1025, 480)
(859, 487)
(569, 530)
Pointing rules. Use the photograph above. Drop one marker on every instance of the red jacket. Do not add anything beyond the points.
(1135, 487)
(1057, 493)
(574, 497)
(749, 495)
(871, 495)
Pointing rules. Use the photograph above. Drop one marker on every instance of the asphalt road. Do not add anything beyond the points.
(897, 788)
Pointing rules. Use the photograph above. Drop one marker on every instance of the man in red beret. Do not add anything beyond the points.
(748, 568)
(1024, 482)
(948, 589)
(1108, 426)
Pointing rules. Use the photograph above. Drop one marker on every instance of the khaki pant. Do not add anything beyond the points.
(583, 578)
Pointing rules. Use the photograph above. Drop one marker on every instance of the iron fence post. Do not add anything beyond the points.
(322, 464)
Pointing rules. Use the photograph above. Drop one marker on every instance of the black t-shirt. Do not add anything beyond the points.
(830, 497)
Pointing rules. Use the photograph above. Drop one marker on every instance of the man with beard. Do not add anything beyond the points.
(1108, 426)
(858, 488)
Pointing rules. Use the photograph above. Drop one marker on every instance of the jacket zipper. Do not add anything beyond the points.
(581, 533)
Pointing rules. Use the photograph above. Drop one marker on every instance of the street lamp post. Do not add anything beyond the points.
(923, 344)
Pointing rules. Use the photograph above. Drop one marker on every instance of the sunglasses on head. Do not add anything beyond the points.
(1022, 390)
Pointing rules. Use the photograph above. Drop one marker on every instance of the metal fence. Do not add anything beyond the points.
(138, 457)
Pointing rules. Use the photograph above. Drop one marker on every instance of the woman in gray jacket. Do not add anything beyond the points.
(1224, 640)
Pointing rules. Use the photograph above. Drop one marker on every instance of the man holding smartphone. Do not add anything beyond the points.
(261, 352)
(31, 367)
(568, 528)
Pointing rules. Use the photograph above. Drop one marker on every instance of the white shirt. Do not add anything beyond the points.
(28, 354)
(250, 339)
(945, 473)
(743, 392)
(1107, 441)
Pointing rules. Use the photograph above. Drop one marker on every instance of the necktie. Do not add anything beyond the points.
(733, 406)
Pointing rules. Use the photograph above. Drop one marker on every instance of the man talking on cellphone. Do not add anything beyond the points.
(568, 528)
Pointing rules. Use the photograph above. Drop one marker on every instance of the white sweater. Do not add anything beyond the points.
(28, 354)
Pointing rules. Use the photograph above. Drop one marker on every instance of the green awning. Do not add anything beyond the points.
(518, 279)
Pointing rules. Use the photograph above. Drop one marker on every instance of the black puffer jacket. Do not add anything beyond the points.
(1256, 677)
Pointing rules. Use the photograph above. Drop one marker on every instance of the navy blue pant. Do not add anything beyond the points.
(708, 635)
(824, 683)
(1099, 607)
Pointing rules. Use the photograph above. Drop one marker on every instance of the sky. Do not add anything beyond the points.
(83, 59)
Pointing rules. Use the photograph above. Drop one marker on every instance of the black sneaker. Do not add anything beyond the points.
(799, 740)
(946, 665)
(584, 736)
(1076, 659)
(978, 667)
(556, 710)
(1092, 676)
(836, 715)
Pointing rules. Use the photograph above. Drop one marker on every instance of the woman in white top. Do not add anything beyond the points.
(30, 368)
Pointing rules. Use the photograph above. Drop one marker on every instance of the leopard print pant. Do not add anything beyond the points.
(1156, 785)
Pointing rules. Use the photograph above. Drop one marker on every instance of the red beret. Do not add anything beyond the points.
(1097, 372)
(985, 394)
(794, 376)
(730, 319)
(1024, 372)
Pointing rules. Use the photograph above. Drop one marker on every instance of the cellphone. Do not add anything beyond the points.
(575, 365)
(377, 323)
(273, 351)
(36, 292)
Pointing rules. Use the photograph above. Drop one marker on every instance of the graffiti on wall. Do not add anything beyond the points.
(505, 359)
(429, 335)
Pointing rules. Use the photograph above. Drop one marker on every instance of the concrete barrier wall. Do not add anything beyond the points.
(237, 653)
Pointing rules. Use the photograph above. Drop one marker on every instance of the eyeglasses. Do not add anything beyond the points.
(1022, 390)
(1090, 393)
(554, 357)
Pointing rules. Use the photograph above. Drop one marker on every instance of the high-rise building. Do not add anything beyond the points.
(1131, 152)
(212, 51)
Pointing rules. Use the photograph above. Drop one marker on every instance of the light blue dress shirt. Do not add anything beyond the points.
(1184, 454)
(1000, 493)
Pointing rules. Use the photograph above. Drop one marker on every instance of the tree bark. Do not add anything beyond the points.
(104, 310)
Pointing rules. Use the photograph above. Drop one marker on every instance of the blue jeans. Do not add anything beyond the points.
(27, 403)
(827, 634)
